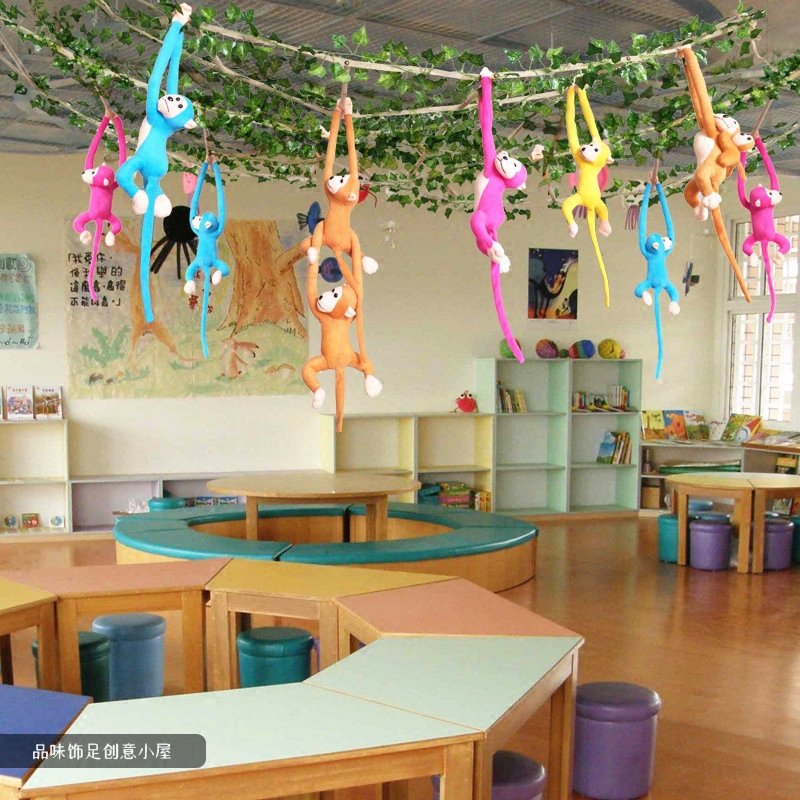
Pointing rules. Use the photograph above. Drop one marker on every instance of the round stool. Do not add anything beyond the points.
(710, 545)
(778, 537)
(668, 538)
(137, 654)
(615, 740)
(165, 503)
(268, 656)
(699, 506)
(514, 777)
(95, 656)
(713, 516)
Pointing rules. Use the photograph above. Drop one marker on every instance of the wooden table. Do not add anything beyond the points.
(22, 607)
(491, 684)
(38, 716)
(268, 742)
(454, 608)
(304, 591)
(318, 487)
(749, 491)
(122, 588)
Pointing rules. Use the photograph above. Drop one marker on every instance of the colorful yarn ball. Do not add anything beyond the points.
(610, 348)
(563, 353)
(583, 348)
(329, 270)
(546, 348)
(505, 350)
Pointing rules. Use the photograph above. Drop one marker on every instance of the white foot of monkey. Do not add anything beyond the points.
(496, 252)
(216, 277)
(86, 237)
(313, 255)
(604, 228)
(372, 386)
(572, 230)
(318, 399)
(369, 265)
(712, 201)
(753, 260)
(110, 239)
(674, 309)
(648, 300)
(189, 287)
(777, 259)
(162, 207)
(139, 203)
(504, 263)
(701, 212)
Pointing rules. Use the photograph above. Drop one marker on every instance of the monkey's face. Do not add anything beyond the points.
(339, 302)
(744, 142)
(178, 109)
(339, 186)
(761, 197)
(510, 170)
(596, 152)
(100, 176)
(207, 223)
(725, 122)
(656, 243)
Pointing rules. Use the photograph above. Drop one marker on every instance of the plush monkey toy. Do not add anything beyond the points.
(102, 183)
(336, 309)
(590, 159)
(760, 205)
(718, 147)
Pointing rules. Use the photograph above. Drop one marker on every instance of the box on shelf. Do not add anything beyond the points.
(651, 497)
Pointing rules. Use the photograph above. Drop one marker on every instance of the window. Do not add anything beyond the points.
(761, 366)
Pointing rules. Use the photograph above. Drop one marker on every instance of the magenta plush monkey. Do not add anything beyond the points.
(102, 183)
(760, 205)
(500, 172)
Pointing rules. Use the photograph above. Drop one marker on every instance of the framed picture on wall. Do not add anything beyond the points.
(552, 284)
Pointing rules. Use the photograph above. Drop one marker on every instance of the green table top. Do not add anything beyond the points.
(470, 681)
(246, 726)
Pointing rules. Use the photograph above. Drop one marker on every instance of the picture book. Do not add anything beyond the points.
(47, 402)
(653, 426)
(30, 521)
(605, 453)
(747, 429)
(675, 425)
(696, 426)
(737, 421)
(19, 403)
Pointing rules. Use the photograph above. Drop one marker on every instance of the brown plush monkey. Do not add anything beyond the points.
(337, 308)
(718, 147)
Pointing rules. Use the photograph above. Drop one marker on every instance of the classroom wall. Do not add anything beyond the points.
(429, 314)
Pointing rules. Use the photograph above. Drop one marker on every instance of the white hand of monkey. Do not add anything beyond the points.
(183, 15)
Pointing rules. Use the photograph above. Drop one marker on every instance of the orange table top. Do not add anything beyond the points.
(448, 608)
(120, 578)
(314, 484)
(735, 480)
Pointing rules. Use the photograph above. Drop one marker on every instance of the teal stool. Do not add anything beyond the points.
(137, 654)
(668, 538)
(268, 656)
(699, 506)
(165, 503)
(95, 656)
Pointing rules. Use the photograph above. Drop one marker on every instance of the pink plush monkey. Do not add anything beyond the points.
(500, 172)
(102, 183)
(760, 205)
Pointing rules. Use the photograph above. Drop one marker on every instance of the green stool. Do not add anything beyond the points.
(268, 656)
(95, 655)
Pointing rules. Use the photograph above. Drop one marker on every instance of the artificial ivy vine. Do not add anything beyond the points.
(263, 101)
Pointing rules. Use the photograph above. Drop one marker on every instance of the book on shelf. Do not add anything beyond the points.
(696, 426)
(740, 427)
(510, 401)
(519, 400)
(47, 402)
(482, 500)
(652, 425)
(615, 448)
(786, 464)
(674, 425)
(19, 403)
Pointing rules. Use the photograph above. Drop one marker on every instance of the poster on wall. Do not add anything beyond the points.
(19, 319)
(552, 284)
(256, 330)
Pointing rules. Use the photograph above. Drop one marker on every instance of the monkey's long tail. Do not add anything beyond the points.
(657, 309)
(593, 235)
(768, 270)
(339, 392)
(203, 317)
(719, 225)
(501, 314)
(148, 222)
(98, 234)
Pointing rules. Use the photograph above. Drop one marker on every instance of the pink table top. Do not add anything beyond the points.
(120, 578)
(449, 608)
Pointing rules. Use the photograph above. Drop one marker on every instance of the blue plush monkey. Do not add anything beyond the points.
(655, 249)
(165, 115)
(208, 228)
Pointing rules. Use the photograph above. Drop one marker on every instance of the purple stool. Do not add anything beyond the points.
(514, 777)
(778, 535)
(709, 545)
(615, 740)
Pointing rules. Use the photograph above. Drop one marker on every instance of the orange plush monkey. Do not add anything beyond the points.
(718, 146)
(337, 308)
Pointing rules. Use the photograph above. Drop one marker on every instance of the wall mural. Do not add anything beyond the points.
(256, 326)
(552, 283)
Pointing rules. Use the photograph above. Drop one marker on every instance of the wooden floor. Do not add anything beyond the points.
(722, 650)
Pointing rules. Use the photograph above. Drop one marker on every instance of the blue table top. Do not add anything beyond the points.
(32, 716)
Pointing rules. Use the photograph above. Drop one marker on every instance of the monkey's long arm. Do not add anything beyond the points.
(486, 117)
(220, 197)
(174, 65)
(698, 92)
(121, 145)
(572, 128)
(330, 153)
(773, 177)
(197, 190)
(740, 184)
(667, 216)
(352, 153)
(92, 152)
(587, 113)
(643, 219)
(173, 38)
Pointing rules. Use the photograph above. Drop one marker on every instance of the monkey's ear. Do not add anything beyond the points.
(757, 204)
(351, 312)
(190, 124)
(105, 181)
